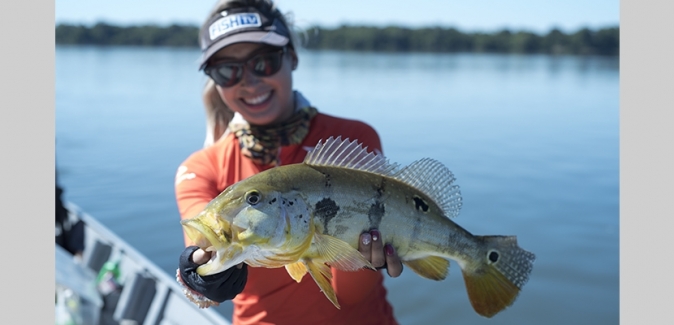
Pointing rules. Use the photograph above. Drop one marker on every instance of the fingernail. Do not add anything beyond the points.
(366, 239)
(375, 235)
(389, 250)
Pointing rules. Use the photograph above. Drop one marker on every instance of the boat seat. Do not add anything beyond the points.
(136, 298)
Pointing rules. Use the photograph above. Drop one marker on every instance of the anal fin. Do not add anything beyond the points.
(431, 267)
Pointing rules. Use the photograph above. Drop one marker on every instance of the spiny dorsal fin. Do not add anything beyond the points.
(426, 175)
(335, 152)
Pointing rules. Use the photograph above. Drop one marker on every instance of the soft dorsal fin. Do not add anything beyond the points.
(435, 180)
(426, 175)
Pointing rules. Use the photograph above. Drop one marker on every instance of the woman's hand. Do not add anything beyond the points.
(201, 256)
(379, 254)
(217, 287)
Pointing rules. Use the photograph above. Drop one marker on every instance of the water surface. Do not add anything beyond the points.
(532, 141)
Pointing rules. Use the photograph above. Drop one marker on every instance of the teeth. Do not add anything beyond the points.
(257, 100)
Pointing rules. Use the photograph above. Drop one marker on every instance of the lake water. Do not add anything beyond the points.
(532, 140)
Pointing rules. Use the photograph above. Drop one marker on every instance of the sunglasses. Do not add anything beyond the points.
(228, 74)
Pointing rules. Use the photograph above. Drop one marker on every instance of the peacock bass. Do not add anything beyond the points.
(308, 217)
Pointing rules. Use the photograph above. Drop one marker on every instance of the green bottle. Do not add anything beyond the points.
(107, 280)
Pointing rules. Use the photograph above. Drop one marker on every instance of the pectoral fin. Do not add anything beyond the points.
(322, 275)
(431, 267)
(328, 250)
(338, 253)
(296, 270)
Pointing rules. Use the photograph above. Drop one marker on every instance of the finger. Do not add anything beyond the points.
(200, 256)
(394, 265)
(377, 251)
(365, 245)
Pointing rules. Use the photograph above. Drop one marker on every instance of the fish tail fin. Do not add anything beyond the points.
(494, 281)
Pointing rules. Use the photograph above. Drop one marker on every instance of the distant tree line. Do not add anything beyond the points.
(144, 35)
(364, 38)
(398, 39)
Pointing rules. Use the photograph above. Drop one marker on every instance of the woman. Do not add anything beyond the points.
(249, 54)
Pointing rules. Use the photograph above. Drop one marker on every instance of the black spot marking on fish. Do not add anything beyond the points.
(375, 213)
(291, 202)
(328, 180)
(340, 230)
(326, 209)
(420, 204)
(272, 201)
(377, 209)
(417, 225)
(300, 216)
(380, 188)
(493, 256)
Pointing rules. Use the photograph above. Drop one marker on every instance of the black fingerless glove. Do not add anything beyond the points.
(217, 287)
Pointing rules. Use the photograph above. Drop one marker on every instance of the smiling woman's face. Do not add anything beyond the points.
(260, 100)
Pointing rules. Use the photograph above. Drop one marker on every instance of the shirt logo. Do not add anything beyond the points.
(182, 175)
(233, 22)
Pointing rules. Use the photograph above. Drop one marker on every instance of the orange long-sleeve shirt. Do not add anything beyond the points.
(271, 296)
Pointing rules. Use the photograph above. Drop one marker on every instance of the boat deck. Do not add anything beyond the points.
(148, 295)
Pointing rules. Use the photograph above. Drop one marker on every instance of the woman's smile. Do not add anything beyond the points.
(259, 100)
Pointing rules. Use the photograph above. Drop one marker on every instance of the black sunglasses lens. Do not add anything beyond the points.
(226, 75)
(265, 65)
(262, 65)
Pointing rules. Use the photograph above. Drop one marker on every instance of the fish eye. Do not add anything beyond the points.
(253, 197)
(493, 256)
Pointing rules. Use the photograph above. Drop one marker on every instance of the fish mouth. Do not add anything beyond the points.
(223, 253)
(221, 260)
(201, 235)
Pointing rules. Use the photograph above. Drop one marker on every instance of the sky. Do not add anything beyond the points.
(466, 15)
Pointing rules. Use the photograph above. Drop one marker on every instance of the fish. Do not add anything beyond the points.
(308, 217)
